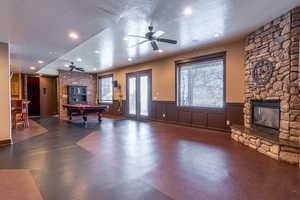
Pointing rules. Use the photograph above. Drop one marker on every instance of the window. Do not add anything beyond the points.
(106, 89)
(200, 82)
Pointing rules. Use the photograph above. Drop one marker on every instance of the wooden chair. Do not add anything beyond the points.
(20, 113)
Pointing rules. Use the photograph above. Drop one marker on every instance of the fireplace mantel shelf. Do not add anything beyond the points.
(268, 137)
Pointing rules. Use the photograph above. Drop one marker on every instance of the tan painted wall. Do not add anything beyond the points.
(5, 129)
(163, 73)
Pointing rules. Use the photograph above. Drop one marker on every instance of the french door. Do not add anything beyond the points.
(139, 94)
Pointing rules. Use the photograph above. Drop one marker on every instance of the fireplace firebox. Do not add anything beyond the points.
(266, 116)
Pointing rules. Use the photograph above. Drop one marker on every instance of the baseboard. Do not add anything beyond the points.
(5, 142)
(191, 125)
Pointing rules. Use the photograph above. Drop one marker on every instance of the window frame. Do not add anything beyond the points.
(198, 59)
(99, 88)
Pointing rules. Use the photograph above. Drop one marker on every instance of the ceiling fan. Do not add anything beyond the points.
(153, 37)
(73, 67)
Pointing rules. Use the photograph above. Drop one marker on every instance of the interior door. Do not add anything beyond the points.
(48, 96)
(139, 94)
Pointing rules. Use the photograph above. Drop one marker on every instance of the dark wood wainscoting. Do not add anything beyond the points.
(113, 109)
(167, 111)
(235, 113)
(5, 143)
(198, 117)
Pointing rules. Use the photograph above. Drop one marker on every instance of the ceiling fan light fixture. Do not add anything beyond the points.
(73, 36)
(187, 11)
(153, 38)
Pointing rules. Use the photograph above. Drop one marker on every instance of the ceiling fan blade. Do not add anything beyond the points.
(139, 43)
(136, 36)
(166, 40)
(154, 45)
(157, 34)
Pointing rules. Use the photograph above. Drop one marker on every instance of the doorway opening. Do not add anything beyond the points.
(33, 95)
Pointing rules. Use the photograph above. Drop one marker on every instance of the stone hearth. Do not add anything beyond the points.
(267, 144)
(276, 43)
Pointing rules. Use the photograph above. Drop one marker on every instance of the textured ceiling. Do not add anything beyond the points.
(38, 30)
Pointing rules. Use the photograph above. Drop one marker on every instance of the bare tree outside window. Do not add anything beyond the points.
(106, 89)
(201, 84)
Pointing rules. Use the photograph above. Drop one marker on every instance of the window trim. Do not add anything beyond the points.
(99, 86)
(205, 58)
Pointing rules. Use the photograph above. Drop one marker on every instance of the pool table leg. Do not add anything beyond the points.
(84, 116)
(70, 114)
(99, 117)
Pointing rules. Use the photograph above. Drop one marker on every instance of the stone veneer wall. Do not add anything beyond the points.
(66, 78)
(277, 41)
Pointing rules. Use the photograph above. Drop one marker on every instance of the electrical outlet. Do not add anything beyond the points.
(164, 115)
(227, 122)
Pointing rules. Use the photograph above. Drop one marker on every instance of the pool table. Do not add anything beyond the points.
(84, 109)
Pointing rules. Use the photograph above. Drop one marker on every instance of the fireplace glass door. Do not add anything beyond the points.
(266, 115)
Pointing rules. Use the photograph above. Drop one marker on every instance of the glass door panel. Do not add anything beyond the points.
(138, 92)
(132, 95)
(144, 96)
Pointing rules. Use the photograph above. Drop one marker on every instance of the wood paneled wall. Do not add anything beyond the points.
(167, 111)
(210, 118)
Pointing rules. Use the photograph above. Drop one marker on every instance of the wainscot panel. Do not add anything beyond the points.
(5, 143)
(167, 111)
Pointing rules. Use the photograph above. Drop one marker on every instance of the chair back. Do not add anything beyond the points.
(24, 107)
(17, 103)
(20, 105)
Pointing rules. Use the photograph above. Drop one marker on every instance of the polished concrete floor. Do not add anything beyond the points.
(126, 159)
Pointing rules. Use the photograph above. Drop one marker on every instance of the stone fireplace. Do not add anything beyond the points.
(272, 98)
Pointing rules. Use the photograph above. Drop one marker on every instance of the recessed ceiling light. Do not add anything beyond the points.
(40, 62)
(129, 59)
(32, 68)
(66, 65)
(95, 69)
(187, 11)
(217, 35)
(79, 60)
(73, 35)
(160, 50)
(125, 38)
(97, 52)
